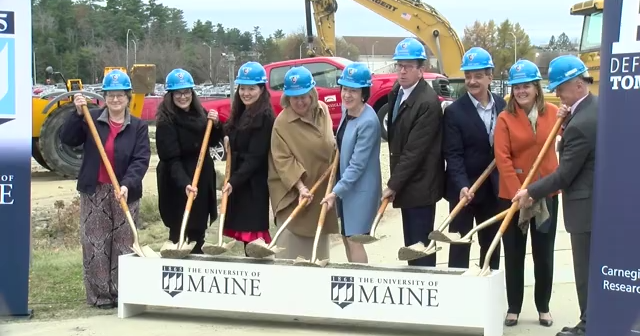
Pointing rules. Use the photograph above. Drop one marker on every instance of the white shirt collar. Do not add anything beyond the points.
(573, 107)
(407, 92)
(478, 104)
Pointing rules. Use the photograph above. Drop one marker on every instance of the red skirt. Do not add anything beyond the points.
(247, 237)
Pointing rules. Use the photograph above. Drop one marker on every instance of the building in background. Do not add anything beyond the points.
(377, 52)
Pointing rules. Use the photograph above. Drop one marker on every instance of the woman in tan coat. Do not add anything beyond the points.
(302, 147)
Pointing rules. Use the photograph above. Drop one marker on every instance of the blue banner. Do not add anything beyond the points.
(15, 156)
(614, 282)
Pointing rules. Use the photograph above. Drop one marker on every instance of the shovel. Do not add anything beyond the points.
(467, 238)
(184, 248)
(323, 214)
(515, 205)
(259, 248)
(144, 251)
(371, 237)
(418, 250)
(221, 247)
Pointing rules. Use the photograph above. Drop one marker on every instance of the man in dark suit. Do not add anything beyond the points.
(414, 128)
(574, 176)
(468, 149)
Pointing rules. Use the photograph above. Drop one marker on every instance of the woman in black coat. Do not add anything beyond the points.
(180, 126)
(249, 130)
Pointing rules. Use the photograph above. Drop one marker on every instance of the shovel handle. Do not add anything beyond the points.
(515, 205)
(227, 175)
(196, 178)
(324, 209)
(112, 176)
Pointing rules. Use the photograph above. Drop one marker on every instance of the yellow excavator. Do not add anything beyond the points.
(424, 21)
(590, 39)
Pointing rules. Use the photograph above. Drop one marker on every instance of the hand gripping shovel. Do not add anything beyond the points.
(323, 214)
(438, 235)
(259, 248)
(514, 206)
(183, 248)
(371, 237)
(221, 247)
(418, 250)
(144, 251)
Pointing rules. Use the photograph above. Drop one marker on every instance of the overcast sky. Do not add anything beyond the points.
(540, 19)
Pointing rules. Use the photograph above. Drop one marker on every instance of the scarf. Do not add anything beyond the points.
(538, 210)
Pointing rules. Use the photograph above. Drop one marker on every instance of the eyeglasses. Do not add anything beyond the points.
(118, 96)
(406, 67)
(185, 94)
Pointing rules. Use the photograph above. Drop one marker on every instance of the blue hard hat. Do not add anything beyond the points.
(298, 81)
(524, 71)
(355, 75)
(179, 79)
(564, 68)
(251, 73)
(476, 58)
(116, 80)
(409, 49)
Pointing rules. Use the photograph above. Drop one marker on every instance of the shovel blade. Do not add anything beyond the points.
(462, 241)
(416, 251)
(439, 236)
(363, 239)
(300, 261)
(172, 251)
(214, 250)
(322, 263)
(259, 249)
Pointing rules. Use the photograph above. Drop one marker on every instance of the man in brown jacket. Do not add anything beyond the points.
(415, 136)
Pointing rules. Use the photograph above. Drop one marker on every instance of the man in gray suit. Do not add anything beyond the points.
(574, 176)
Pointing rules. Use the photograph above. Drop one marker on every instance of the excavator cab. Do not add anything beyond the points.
(591, 37)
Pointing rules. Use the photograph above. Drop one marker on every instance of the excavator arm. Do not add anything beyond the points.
(424, 21)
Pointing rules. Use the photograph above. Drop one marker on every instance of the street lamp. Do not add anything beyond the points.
(135, 51)
(373, 53)
(210, 63)
(515, 47)
(35, 76)
(129, 31)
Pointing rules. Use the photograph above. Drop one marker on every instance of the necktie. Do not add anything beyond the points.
(396, 107)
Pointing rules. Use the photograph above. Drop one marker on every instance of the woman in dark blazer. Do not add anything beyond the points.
(180, 126)
(104, 231)
(249, 130)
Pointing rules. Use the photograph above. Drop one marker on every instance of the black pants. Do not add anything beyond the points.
(463, 223)
(581, 250)
(417, 223)
(190, 235)
(542, 247)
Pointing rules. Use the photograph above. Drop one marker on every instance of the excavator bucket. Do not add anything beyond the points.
(143, 78)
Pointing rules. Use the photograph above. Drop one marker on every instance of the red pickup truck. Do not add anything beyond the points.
(326, 71)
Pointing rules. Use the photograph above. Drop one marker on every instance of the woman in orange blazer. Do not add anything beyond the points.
(520, 133)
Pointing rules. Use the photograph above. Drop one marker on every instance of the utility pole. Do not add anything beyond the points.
(231, 63)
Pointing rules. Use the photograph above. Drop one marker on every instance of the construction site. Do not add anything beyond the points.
(55, 167)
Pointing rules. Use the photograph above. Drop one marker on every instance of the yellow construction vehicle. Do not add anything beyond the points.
(50, 111)
(590, 39)
(420, 19)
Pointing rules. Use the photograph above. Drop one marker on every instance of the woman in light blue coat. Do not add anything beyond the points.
(359, 185)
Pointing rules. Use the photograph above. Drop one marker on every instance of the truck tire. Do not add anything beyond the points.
(36, 153)
(382, 117)
(62, 159)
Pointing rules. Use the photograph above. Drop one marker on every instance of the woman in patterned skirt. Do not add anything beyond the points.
(105, 233)
(249, 130)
